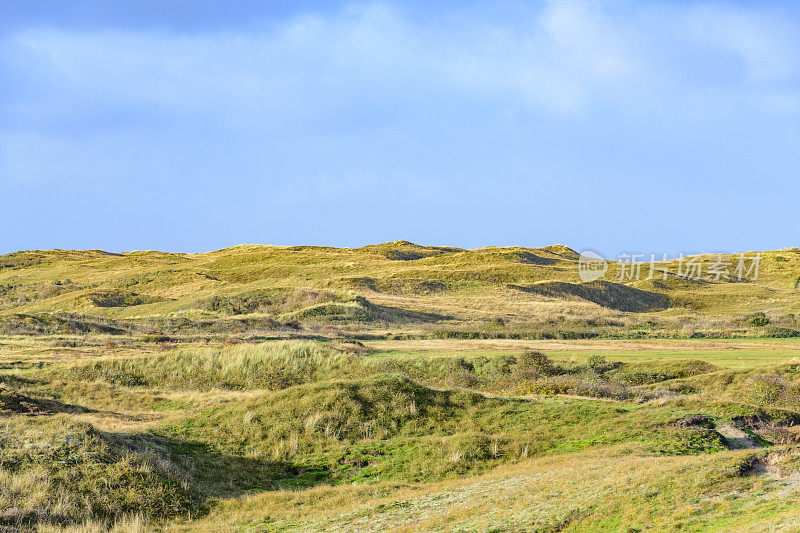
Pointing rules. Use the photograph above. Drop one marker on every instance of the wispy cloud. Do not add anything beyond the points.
(556, 59)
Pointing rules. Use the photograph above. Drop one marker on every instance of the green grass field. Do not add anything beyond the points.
(392, 387)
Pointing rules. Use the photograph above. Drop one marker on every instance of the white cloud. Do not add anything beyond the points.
(374, 70)
(767, 43)
(552, 61)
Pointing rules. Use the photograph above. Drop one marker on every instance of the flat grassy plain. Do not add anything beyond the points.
(393, 387)
(731, 353)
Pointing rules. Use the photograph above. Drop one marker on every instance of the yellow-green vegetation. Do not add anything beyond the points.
(394, 386)
(399, 288)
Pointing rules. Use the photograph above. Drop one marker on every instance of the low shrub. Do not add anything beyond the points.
(780, 333)
(580, 385)
(266, 301)
(536, 361)
(757, 319)
(156, 338)
(462, 380)
(598, 363)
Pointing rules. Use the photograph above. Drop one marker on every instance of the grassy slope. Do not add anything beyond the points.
(369, 448)
(207, 432)
(465, 285)
(585, 491)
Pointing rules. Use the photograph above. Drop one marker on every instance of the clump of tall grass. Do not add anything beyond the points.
(773, 391)
(54, 471)
(246, 366)
(319, 418)
(126, 524)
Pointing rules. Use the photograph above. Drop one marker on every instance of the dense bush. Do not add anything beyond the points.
(758, 319)
(780, 333)
(536, 361)
(598, 363)
(438, 371)
(462, 380)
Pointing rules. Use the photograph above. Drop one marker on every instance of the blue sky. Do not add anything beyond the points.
(195, 125)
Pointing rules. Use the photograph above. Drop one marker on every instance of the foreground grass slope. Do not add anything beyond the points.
(581, 491)
(312, 436)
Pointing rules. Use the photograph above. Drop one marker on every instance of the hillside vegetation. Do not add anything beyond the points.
(399, 287)
(393, 387)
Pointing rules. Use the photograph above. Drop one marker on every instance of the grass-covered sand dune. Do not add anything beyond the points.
(317, 435)
(399, 288)
(393, 387)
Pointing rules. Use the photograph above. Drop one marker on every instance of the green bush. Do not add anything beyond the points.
(536, 361)
(757, 320)
(774, 391)
(598, 364)
(780, 333)
(493, 367)
(156, 338)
